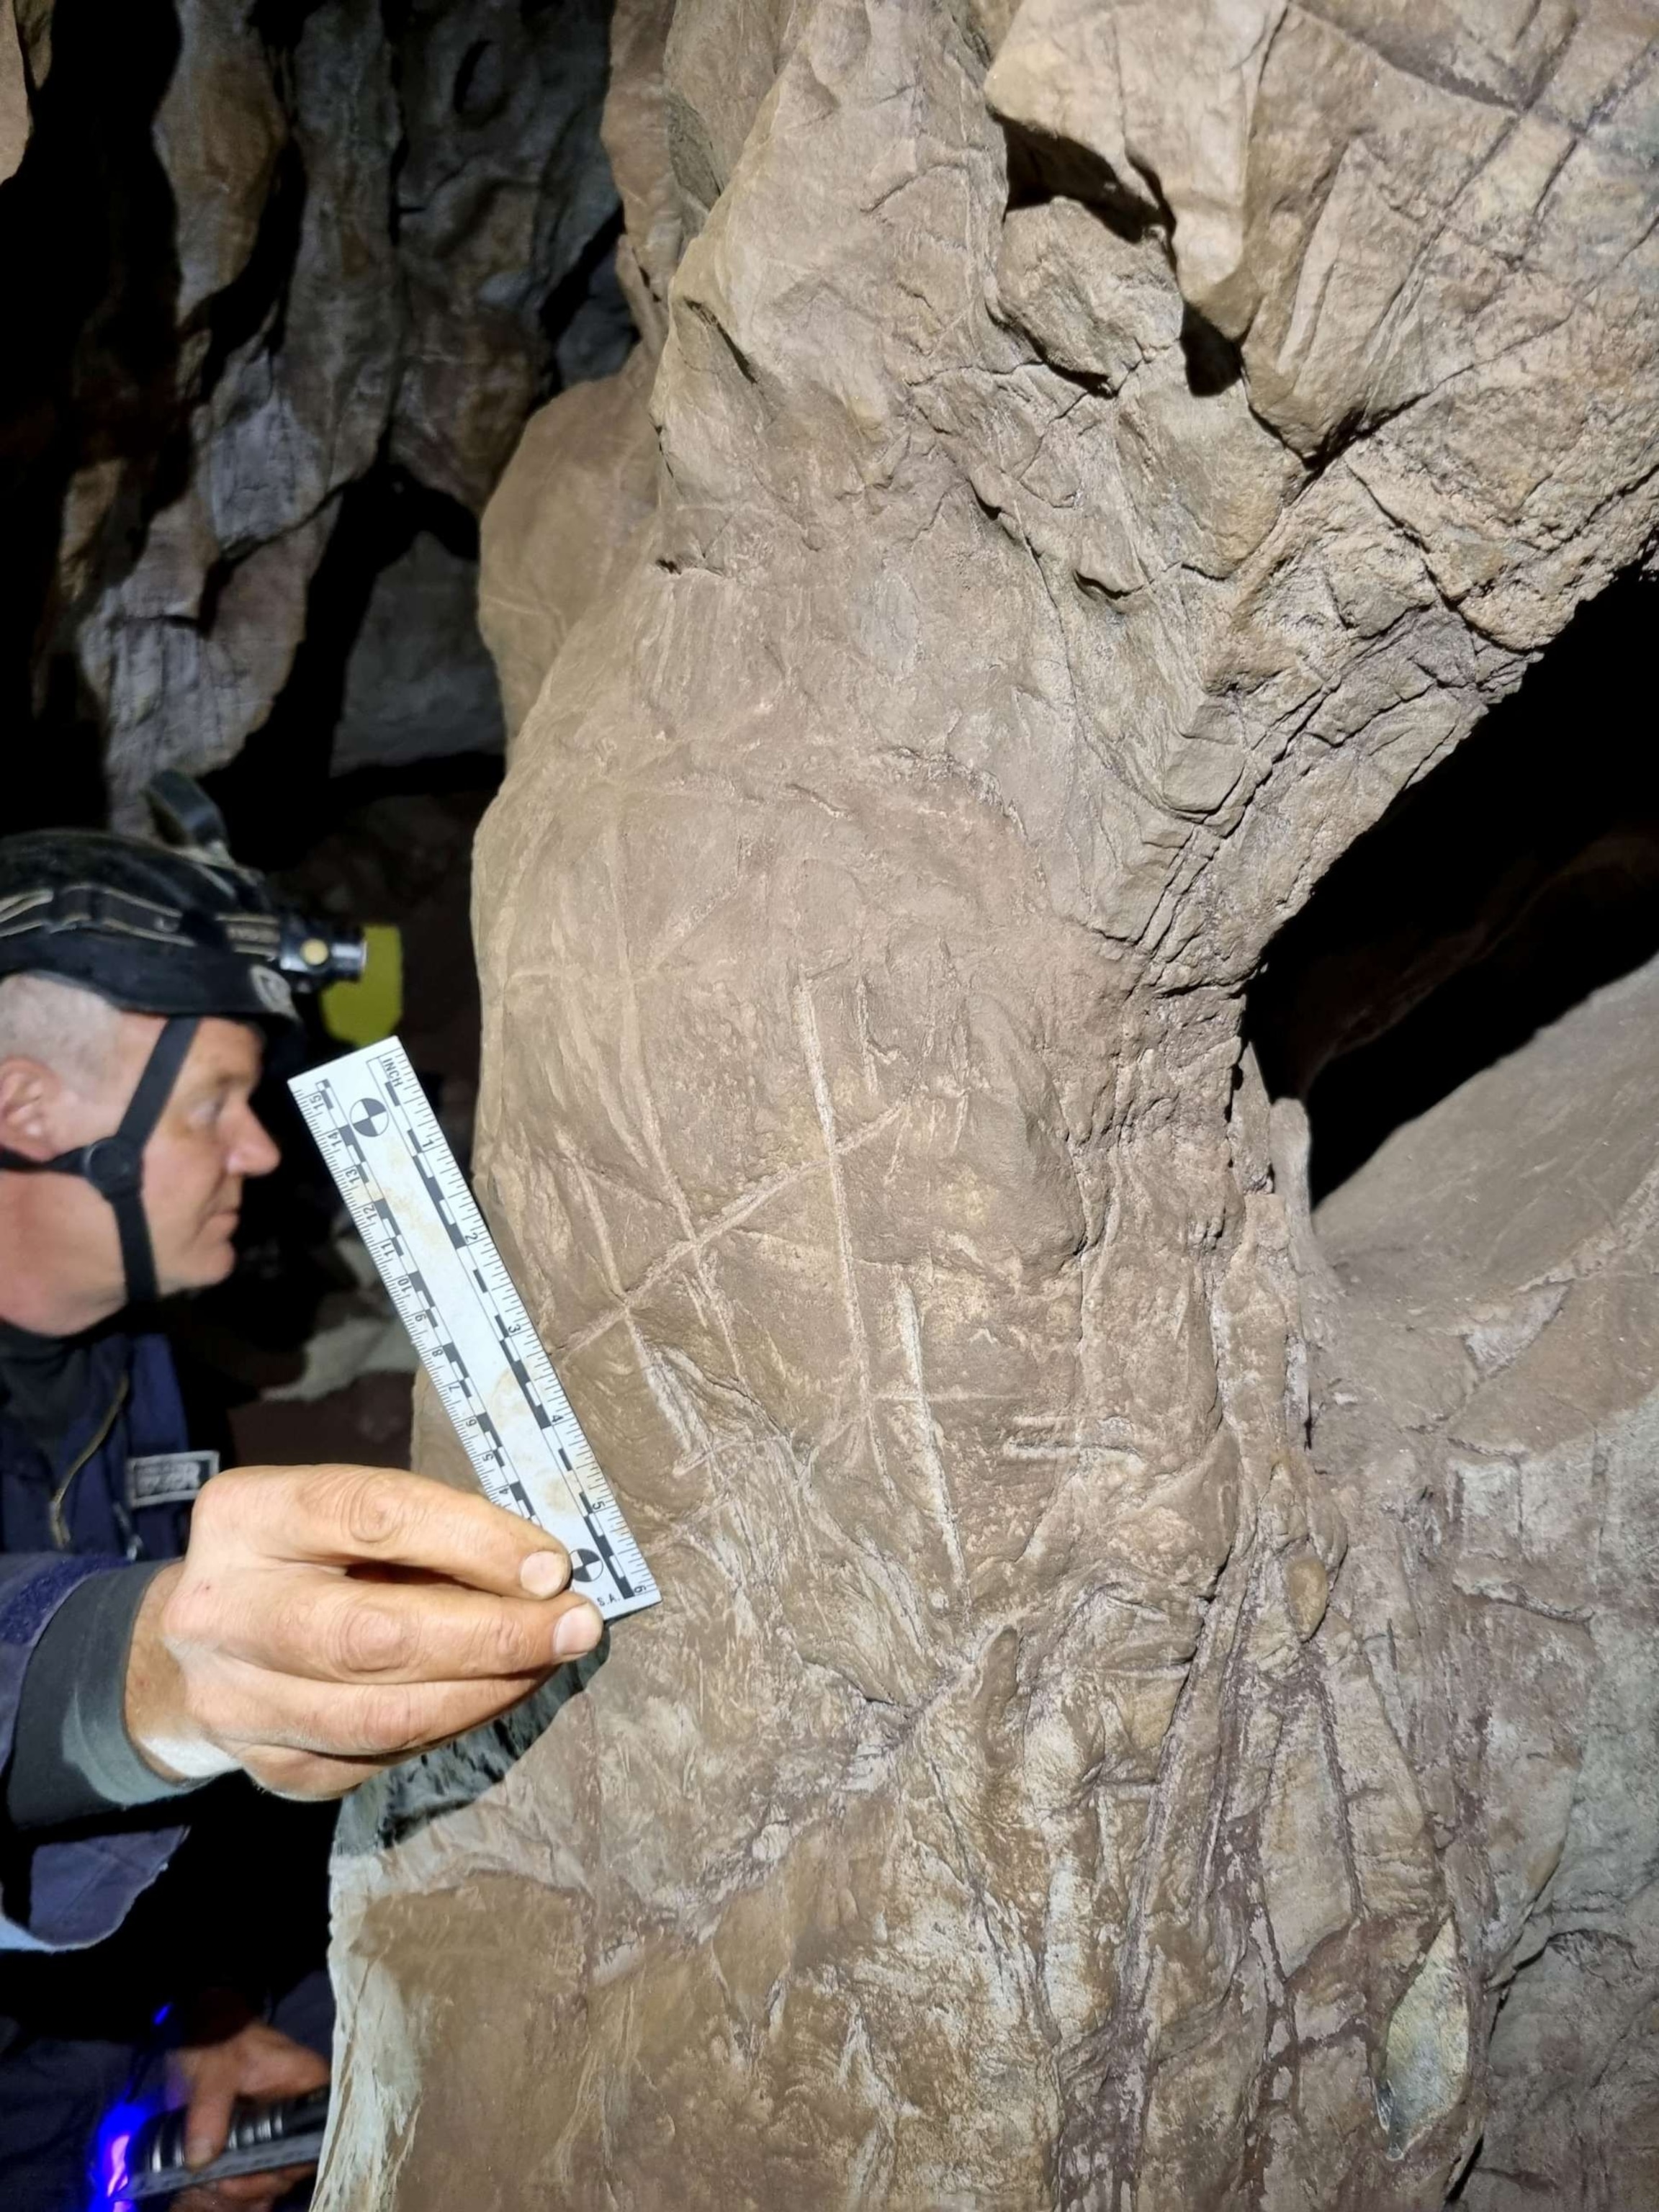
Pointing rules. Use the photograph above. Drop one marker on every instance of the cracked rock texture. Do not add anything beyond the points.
(1144, 1675)
(270, 251)
(1486, 1324)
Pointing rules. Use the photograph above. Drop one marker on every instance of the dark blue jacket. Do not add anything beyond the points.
(73, 1892)
(243, 1904)
(78, 1891)
(132, 1410)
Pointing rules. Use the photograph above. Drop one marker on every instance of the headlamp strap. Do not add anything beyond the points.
(114, 1166)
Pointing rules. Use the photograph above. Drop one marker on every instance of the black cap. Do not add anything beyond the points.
(176, 929)
(151, 928)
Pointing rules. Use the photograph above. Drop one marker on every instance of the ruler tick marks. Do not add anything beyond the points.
(422, 1229)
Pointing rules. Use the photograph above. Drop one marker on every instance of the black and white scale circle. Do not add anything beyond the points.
(447, 1281)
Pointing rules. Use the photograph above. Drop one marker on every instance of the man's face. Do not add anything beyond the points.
(207, 1142)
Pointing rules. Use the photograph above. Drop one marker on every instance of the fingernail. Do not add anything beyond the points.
(578, 1630)
(544, 1574)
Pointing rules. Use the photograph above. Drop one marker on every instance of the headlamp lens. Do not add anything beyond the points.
(313, 953)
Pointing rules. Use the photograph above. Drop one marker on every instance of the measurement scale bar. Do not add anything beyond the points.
(438, 1261)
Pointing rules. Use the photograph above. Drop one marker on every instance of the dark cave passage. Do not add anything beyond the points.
(1516, 880)
(295, 1357)
(88, 371)
(294, 279)
(289, 282)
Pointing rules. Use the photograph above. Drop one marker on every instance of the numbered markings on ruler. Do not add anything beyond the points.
(423, 1230)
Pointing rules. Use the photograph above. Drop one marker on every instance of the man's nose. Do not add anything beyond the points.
(253, 1151)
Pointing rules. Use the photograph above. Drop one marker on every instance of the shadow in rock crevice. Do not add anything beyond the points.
(278, 788)
(1517, 877)
(406, 1799)
(88, 369)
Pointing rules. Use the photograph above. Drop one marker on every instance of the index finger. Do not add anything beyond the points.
(342, 1517)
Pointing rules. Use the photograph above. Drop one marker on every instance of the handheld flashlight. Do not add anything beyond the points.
(288, 2132)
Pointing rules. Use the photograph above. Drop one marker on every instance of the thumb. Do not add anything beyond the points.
(207, 2123)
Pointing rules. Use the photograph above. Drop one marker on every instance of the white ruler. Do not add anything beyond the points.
(427, 1237)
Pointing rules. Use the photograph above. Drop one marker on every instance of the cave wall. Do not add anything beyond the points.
(1103, 454)
(266, 257)
(1484, 1340)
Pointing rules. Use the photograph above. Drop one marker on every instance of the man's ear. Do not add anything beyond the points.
(29, 1093)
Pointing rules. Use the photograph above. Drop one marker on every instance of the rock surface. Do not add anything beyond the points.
(418, 682)
(271, 250)
(581, 486)
(1131, 1695)
(1487, 1371)
(14, 93)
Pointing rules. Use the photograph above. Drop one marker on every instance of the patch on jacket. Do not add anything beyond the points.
(168, 1478)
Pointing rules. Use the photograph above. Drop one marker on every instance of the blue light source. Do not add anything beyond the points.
(109, 2164)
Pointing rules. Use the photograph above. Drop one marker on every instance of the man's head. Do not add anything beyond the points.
(69, 1065)
(137, 979)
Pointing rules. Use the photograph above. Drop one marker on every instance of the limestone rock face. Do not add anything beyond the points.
(580, 486)
(14, 93)
(326, 240)
(1124, 1708)
(418, 676)
(1486, 1365)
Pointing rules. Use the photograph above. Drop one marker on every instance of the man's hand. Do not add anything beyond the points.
(257, 2061)
(328, 1621)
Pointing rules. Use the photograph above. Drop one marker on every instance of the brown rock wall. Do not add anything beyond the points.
(580, 486)
(14, 93)
(1088, 495)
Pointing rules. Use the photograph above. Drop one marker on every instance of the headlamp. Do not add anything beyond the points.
(312, 953)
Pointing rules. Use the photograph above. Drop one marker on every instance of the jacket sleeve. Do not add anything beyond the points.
(60, 1893)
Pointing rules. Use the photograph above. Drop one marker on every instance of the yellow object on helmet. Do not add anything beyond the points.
(367, 1010)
